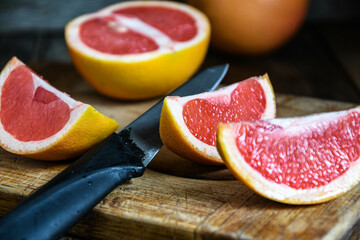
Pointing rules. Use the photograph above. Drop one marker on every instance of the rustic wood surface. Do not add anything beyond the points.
(178, 199)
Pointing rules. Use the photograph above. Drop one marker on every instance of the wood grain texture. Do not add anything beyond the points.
(178, 199)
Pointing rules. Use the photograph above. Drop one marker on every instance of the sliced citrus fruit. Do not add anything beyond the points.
(138, 49)
(39, 121)
(302, 160)
(188, 124)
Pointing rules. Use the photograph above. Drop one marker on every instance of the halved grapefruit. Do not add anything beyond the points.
(138, 49)
(188, 124)
(40, 122)
(302, 160)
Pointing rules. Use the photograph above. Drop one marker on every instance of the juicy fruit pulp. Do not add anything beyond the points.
(301, 160)
(203, 115)
(29, 113)
(111, 35)
(98, 34)
(188, 124)
(307, 159)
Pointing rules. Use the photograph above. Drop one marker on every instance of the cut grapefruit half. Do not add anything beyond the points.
(302, 160)
(188, 124)
(138, 49)
(40, 122)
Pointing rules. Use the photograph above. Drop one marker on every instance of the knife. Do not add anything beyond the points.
(59, 204)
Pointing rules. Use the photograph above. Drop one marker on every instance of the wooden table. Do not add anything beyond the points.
(177, 199)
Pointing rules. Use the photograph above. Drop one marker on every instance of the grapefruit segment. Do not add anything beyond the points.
(188, 124)
(302, 160)
(25, 109)
(41, 122)
(96, 34)
(128, 48)
(179, 25)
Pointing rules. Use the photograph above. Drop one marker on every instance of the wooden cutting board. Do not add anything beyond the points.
(178, 199)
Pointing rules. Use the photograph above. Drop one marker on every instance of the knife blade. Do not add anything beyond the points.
(59, 204)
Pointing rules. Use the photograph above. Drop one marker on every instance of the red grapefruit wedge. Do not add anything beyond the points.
(188, 124)
(302, 160)
(138, 49)
(39, 121)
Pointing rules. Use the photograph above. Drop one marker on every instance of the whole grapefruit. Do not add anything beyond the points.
(252, 27)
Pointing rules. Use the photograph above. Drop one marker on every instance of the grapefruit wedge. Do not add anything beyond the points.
(302, 160)
(40, 122)
(188, 124)
(138, 49)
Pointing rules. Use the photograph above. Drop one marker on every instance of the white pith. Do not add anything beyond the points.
(176, 105)
(282, 192)
(166, 45)
(77, 108)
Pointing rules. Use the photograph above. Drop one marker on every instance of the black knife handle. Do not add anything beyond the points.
(59, 204)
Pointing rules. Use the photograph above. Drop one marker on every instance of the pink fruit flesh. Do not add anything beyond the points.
(108, 36)
(303, 160)
(100, 35)
(30, 114)
(201, 116)
(177, 25)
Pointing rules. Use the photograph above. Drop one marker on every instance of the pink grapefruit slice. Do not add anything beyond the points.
(138, 49)
(302, 160)
(188, 124)
(41, 122)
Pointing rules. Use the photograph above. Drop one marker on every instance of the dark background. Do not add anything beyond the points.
(322, 60)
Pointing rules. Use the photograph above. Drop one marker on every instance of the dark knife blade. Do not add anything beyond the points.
(62, 202)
